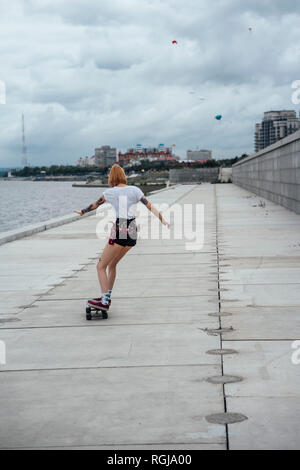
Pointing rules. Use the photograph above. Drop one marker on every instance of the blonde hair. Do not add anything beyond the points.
(116, 176)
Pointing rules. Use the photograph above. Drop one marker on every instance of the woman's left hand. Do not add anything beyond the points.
(78, 212)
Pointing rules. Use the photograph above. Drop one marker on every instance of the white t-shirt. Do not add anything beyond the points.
(124, 200)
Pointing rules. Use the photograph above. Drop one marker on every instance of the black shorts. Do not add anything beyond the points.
(123, 232)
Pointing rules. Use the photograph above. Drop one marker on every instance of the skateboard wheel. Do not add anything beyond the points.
(88, 313)
(104, 315)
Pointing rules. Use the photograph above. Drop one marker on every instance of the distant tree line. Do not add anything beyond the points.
(163, 165)
(69, 170)
(59, 170)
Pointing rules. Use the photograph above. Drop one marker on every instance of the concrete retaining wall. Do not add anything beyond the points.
(194, 175)
(273, 173)
(28, 230)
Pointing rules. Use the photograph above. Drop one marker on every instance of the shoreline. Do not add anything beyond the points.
(27, 230)
(55, 179)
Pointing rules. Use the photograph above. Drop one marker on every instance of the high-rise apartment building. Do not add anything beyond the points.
(105, 156)
(275, 126)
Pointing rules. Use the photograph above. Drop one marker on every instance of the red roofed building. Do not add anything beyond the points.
(151, 154)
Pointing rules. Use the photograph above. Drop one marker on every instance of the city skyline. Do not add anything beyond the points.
(87, 74)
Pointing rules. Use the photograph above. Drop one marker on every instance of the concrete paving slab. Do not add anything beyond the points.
(123, 311)
(269, 371)
(260, 276)
(112, 406)
(185, 447)
(262, 323)
(273, 234)
(260, 295)
(261, 249)
(27, 269)
(272, 424)
(259, 262)
(11, 301)
(142, 248)
(25, 283)
(68, 236)
(37, 250)
(174, 258)
(162, 287)
(107, 346)
(81, 226)
(129, 269)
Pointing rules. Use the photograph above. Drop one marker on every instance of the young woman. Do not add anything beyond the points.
(123, 236)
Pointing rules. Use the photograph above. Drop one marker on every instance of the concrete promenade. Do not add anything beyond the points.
(144, 378)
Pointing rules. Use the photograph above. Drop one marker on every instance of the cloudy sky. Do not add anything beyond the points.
(92, 72)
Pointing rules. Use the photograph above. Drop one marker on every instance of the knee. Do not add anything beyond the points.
(100, 266)
(112, 266)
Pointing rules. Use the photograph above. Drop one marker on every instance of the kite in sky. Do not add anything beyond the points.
(219, 117)
(194, 92)
(174, 42)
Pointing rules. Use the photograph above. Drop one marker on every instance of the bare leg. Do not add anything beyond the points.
(112, 266)
(109, 253)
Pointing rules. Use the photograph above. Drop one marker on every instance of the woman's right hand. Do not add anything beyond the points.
(78, 212)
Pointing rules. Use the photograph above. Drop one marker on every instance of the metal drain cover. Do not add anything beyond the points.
(218, 331)
(224, 314)
(224, 379)
(221, 351)
(225, 418)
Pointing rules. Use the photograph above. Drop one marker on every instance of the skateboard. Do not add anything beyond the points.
(95, 312)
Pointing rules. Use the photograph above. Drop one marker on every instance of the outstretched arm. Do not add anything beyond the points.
(154, 211)
(93, 206)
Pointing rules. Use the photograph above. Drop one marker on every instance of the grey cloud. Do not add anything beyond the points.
(87, 73)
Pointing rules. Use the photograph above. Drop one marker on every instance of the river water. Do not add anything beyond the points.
(29, 202)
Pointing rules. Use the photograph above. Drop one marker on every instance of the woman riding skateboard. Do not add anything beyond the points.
(123, 235)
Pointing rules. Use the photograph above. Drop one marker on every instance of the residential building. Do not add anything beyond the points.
(105, 156)
(86, 161)
(275, 126)
(152, 154)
